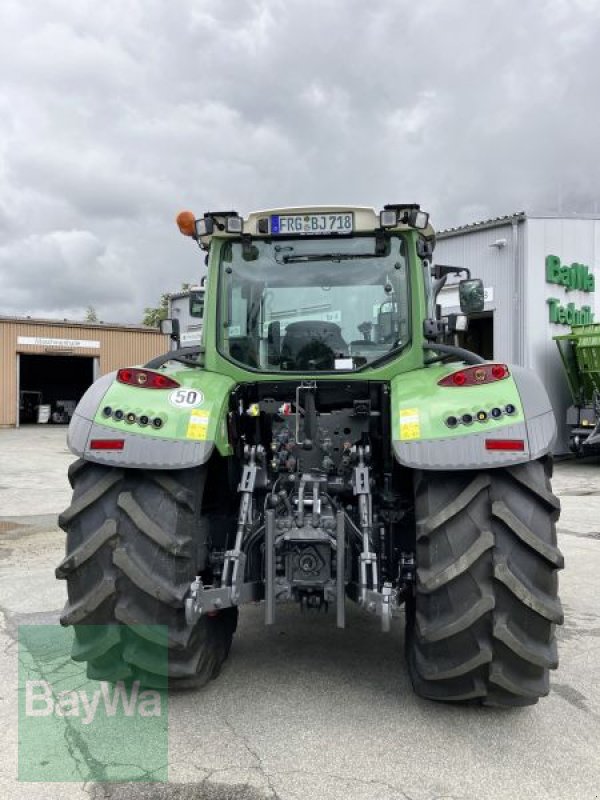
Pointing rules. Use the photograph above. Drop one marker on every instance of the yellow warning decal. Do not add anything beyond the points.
(198, 424)
(410, 423)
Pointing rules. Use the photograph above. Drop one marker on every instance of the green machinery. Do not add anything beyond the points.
(325, 444)
(580, 354)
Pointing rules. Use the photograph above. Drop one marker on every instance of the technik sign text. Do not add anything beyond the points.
(576, 277)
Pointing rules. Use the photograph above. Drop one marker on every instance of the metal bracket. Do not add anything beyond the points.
(340, 578)
(210, 599)
(383, 604)
(270, 567)
(235, 559)
(361, 486)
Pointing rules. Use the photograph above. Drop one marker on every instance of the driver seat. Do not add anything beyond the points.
(312, 340)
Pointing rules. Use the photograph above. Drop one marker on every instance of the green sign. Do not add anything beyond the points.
(569, 315)
(576, 277)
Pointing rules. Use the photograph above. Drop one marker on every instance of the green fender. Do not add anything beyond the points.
(422, 438)
(185, 424)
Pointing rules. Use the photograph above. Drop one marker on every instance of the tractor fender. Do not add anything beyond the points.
(422, 438)
(188, 434)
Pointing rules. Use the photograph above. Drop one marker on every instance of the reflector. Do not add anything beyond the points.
(107, 444)
(504, 444)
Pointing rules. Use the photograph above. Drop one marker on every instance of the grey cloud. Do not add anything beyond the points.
(62, 269)
(114, 117)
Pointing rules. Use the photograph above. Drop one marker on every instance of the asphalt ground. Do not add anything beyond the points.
(304, 710)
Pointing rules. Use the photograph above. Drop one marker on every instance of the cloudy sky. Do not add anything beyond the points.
(115, 115)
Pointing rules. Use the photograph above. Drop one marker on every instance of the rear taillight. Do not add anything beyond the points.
(505, 444)
(107, 444)
(476, 376)
(145, 378)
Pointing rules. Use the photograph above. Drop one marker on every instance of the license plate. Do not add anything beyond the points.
(312, 224)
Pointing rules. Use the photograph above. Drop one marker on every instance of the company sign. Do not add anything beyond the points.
(65, 344)
(575, 277)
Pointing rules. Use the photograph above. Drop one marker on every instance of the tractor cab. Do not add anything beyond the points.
(312, 290)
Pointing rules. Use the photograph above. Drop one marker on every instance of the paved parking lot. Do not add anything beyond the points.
(305, 710)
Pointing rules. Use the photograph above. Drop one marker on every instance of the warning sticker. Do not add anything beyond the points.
(198, 425)
(410, 423)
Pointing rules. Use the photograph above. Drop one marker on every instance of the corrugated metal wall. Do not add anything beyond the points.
(572, 240)
(523, 333)
(496, 266)
(119, 346)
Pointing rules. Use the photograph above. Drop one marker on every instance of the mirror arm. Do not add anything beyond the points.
(181, 354)
(438, 286)
(439, 270)
(459, 352)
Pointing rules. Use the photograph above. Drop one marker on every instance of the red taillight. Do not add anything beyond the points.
(145, 378)
(476, 376)
(107, 444)
(505, 444)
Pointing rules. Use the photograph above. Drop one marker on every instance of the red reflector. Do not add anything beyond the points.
(107, 444)
(504, 444)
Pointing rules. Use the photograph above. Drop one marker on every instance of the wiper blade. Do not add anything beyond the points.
(397, 346)
(327, 257)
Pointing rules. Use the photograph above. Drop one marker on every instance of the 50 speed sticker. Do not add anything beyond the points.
(410, 423)
(186, 398)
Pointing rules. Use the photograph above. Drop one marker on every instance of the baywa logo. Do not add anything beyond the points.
(75, 728)
(42, 700)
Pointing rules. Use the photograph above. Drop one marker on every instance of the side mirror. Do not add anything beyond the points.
(170, 327)
(196, 303)
(471, 296)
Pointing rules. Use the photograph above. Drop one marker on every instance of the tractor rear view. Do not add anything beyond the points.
(325, 443)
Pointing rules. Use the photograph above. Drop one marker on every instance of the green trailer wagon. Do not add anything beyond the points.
(580, 353)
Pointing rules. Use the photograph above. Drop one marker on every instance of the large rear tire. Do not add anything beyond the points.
(481, 624)
(135, 541)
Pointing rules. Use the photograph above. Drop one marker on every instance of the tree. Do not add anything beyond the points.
(91, 314)
(153, 316)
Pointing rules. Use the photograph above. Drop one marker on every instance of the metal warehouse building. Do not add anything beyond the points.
(539, 274)
(52, 363)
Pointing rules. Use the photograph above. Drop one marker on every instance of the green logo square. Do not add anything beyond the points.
(75, 728)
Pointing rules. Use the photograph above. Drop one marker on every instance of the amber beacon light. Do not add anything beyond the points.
(186, 222)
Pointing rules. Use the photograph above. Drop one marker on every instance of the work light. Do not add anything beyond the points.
(388, 218)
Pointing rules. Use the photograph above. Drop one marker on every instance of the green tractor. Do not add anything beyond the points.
(327, 441)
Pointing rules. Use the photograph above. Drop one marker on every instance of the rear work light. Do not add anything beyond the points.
(505, 444)
(145, 378)
(107, 444)
(476, 376)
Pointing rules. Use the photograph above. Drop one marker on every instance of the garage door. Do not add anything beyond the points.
(55, 381)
